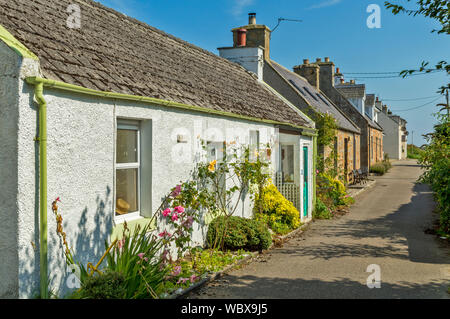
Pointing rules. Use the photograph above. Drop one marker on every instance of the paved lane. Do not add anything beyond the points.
(385, 227)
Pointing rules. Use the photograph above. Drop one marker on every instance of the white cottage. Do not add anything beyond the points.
(105, 114)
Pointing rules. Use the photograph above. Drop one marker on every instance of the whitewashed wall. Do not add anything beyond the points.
(81, 156)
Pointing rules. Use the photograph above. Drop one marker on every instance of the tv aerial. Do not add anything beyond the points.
(284, 19)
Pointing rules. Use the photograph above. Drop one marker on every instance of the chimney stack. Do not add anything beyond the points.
(252, 18)
(326, 73)
(318, 60)
(257, 35)
(310, 72)
(384, 109)
(327, 59)
(352, 81)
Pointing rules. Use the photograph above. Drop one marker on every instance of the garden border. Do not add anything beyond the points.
(212, 276)
(219, 273)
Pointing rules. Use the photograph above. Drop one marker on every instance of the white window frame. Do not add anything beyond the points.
(129, 125)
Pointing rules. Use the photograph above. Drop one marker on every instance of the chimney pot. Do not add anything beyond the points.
(327, 59)
(352, 81)
(337, 70)
(252, 18)
(318, 59)
(377, 99)
(241, 37)
(342, 81)
(306, 61)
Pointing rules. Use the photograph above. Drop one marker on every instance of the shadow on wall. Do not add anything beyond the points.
(252, 287)
(88, 244)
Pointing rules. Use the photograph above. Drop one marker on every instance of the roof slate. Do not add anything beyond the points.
(113, 52)
(315, 98)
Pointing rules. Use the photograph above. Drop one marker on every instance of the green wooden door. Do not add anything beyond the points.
(305, 181)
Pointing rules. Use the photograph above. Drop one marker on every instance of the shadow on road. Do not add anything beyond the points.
(401, 228)
(288, 288)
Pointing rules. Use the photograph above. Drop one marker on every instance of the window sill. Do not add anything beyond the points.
(117, 230)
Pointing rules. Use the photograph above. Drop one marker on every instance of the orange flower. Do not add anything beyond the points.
(212, 166)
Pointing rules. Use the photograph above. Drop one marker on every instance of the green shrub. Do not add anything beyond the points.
(278, 212)
(322, 211)
(109, 285)
(378, 168)
(238, 233)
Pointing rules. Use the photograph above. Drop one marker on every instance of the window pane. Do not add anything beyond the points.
(287, 163)
(126, 146)
(126, 191)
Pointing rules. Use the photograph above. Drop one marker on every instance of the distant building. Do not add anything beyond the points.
(395, 138)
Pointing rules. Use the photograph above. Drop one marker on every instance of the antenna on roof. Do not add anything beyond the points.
(283, 19)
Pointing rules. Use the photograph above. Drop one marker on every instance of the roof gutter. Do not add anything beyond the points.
(121, 96)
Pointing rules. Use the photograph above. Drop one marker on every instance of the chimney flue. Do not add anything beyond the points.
(252, 18)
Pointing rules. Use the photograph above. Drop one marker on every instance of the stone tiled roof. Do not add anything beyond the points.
(113, 52)
(351, 90)
(315, 98)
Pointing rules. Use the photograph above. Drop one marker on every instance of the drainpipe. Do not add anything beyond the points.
(42, 140)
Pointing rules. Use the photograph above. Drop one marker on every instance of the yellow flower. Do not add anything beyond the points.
(212, 166)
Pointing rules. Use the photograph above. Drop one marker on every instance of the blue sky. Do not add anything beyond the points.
(333, 28)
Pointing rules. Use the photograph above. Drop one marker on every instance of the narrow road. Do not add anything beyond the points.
(329, 260)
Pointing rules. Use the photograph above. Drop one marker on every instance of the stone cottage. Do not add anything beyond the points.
(106, 114)
(251, 49)
(364, 103)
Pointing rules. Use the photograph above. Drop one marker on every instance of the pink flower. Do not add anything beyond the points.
(179, 209)
(182, 280)
(174, 217)
(193, 278)
(141, 255)
(176, 271)
(120, 243)
(164, 234)
(166, 212)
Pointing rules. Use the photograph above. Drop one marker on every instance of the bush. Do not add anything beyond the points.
(278, 212)
(378, 168)
(109, 285)
(322, 211)
(238, 233)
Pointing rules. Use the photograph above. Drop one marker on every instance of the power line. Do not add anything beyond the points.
(393, 76)
(416, 107)
(412, 99)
